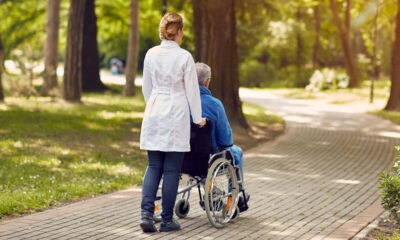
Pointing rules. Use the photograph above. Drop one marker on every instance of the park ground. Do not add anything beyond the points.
(81, 151)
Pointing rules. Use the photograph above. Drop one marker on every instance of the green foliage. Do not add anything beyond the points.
(293, 76)
(67, 151)
(113, 21)
(23, 21)
(113, 28)
(390, 185)
(254, 74)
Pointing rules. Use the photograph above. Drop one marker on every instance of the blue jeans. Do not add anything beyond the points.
(168, 165)
(238, 155)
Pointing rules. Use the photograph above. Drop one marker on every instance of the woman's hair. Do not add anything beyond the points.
(203, 72)
(169, 25)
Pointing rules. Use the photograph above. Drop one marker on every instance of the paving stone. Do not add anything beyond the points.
(313, 182)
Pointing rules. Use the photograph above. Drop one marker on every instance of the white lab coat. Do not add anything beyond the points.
(170, 87)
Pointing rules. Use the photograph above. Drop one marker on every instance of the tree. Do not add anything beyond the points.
(1, 70)
(222, 56)
(344, 32)
(133, 49)
(200, 30)
(317, 43)
(90, 54)
(394, 99)
(51, 45)
(73, 52)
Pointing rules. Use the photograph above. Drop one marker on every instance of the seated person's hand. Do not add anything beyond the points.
(202, 123)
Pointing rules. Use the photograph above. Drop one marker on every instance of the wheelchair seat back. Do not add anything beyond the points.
(195, 162)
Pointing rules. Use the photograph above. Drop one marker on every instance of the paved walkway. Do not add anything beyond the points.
(317, 181)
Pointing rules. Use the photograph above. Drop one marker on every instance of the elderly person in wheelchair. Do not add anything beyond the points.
(214, 165)
(221, 132)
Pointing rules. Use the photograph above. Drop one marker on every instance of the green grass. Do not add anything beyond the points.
(341, 96)
(52, 152)
(360, 96)
(259, 116)
(392, 116)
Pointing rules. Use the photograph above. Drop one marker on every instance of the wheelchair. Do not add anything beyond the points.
(216, 177)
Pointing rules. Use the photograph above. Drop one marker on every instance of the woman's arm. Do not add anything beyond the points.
(192, 91)
(147, 85)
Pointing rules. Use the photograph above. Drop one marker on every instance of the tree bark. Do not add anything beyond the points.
(73, 53)
(133, 50)
(90, 55)
(394, 98)
(1, 70)
(317, 44)
(344, 31)
(51, 46)
(375, 72)
(222, 57)
(200, 30)
(299, 42)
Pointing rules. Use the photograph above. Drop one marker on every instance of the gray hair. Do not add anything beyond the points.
(203, 72)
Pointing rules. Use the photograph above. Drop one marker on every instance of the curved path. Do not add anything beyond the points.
(317, 181)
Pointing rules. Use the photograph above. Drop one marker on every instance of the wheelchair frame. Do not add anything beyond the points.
(219, 202)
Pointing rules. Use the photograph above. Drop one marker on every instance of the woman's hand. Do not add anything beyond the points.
(202, 123)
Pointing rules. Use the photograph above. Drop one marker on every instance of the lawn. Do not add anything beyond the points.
(359, 98)
(343, 96)
(53, 152)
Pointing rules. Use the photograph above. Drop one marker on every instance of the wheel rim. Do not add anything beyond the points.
(221, 193)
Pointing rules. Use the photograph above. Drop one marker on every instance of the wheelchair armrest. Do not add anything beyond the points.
(226, 154)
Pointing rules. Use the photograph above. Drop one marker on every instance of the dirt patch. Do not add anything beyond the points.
(384, 230)
(256, 135)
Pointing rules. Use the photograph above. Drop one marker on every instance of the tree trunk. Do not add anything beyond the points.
(375, 72)
(222, 57)
(394, 99)
(317, 43)
(73, 53)
(1, 70)
(51, 46)
(344, 32)
(299, 42)
(90, 54)
(164, 7)
(133, 50)
(200, 30)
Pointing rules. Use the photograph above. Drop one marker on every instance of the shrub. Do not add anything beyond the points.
(327, 79)
(293, 76)
(390, 185)
(253, 74)
(257, 74)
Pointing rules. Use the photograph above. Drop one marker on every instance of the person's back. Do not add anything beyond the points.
(166, 63)
(166, 88)
(213, 110)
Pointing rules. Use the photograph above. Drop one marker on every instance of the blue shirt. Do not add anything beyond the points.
(214, 111)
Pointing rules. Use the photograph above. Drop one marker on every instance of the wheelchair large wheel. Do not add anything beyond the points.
(220, 193)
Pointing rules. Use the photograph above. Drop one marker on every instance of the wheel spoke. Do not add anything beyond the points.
(221, 194)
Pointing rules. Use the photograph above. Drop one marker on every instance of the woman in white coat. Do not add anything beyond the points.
(170, 89)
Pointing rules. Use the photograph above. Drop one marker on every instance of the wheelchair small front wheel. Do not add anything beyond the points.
(182, 208)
